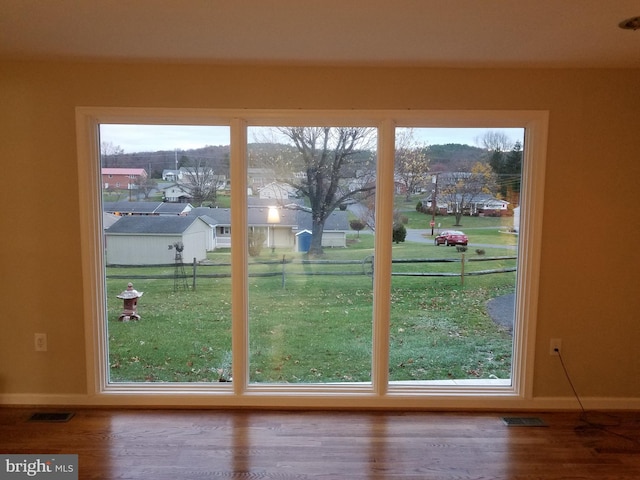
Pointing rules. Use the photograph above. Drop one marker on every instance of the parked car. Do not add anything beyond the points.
(451, 237)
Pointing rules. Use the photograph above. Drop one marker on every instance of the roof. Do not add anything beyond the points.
(337, 221)
(425, 33)
(157, 225)
(123, 171)
(146, 208)
(256, 217)
(169, 208)
(109, 219)
(290, 217)
(477, 198)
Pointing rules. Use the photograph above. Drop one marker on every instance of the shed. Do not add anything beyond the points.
(516, 219)
(145, 240)
(303, 239)
(335, 230)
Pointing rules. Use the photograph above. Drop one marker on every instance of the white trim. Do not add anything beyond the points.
(383, 256)
(376, 395)
(344, 402)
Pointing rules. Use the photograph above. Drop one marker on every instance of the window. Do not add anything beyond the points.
(452, 309)
(310, 317)
(297, 327)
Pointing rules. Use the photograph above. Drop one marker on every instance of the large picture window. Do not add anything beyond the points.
(310, 257)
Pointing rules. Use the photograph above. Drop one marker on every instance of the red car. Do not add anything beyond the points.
(451, 237)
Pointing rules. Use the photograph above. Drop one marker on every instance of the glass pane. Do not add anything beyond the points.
(455, 250)
(310, 219)
(165, 192)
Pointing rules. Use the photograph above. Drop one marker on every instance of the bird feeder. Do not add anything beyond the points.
(130, 309)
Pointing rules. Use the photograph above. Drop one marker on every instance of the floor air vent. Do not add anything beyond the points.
(51, 417)
(523, 422)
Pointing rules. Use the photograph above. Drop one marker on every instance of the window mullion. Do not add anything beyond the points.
(239, 256)
(382, 261)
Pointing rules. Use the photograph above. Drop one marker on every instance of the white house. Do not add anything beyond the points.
(277, 191)
(145, 240)
(177, 194)
(171, 175)
(281, 234)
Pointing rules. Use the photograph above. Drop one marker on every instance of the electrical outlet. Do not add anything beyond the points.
(555, 346)
(41, 342)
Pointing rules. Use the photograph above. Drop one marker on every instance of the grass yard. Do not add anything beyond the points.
(317, 328)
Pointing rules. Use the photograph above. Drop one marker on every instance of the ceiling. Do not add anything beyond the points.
(433, 33)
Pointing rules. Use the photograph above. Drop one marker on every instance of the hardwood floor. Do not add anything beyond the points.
(193, 444)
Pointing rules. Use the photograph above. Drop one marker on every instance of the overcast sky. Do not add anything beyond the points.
(153, 138)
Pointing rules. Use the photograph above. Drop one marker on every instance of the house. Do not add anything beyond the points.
(259, 177)
(486, 204)
(480, 204)
(281, 235)
(277, 191)
(219, 221)
(177, 194)
(122, 178)
(568, 62)
(145, 240)
(335, 231)
(171, 175)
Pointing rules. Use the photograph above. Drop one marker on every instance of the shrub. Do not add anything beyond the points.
(399, 232)
(256, 241)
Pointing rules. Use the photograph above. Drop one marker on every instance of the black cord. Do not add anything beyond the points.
(584, 414)
(566, 374)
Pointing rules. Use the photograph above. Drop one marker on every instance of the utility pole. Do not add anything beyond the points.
(434, 203)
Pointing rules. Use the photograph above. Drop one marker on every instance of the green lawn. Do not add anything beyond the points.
(317, 328)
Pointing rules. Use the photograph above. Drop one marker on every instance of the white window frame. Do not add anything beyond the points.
(378, 393)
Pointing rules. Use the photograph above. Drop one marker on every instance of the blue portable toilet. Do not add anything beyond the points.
(303, 237)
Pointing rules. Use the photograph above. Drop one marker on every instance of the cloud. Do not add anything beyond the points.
(153, 138)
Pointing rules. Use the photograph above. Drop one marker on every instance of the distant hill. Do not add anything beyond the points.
(449, 157)
(156, 162)
(454, 156)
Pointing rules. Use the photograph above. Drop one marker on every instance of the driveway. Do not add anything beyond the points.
(502, 310)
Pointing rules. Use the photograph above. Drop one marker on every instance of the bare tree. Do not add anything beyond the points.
(461, 189)
(329, 166)
(110, 154)
(200, 181)
(411, 162)
(495, 141)
(145, 185)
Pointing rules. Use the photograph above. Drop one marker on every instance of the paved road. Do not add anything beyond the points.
(417, 235)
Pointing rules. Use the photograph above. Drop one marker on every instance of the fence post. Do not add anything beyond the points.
(462, 270)
(283, 263)
(193, 287)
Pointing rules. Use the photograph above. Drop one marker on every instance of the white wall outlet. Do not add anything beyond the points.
(41, 342)
(555, 346)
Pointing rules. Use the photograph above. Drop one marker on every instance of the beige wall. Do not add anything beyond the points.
(589, 294)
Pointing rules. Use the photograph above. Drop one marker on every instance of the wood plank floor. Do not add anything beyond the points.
(195, 444)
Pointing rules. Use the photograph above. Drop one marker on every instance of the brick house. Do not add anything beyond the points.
(122, 178)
